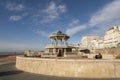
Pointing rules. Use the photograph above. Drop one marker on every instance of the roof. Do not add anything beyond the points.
(59, 35)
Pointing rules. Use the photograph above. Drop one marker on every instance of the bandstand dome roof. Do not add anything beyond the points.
(59, 36)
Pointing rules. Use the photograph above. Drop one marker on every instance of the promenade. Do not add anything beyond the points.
(8, 71)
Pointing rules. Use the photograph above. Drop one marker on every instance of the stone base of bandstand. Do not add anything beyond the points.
(70, 67)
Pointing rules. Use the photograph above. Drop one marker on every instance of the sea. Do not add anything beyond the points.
(10, 53)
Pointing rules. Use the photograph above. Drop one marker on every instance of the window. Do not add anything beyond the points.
(68, 50)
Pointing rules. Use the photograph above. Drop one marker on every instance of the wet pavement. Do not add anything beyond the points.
(9, 72)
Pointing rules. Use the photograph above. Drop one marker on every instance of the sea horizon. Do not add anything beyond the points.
(8, 53)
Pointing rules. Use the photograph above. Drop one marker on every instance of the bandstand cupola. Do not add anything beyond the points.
(59, 38)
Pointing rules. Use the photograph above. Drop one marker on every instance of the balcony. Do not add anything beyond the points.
(59, 45)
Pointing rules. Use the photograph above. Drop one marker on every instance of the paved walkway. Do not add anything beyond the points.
(9, 72)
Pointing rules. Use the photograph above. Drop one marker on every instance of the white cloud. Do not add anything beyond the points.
(75, 29)
(42, 33)
(51, 10)
(74, 22)
(50, 13)
(62, 8)
(54, 10)
(109, 13)
(15, 7)
(106, 17)
(15, 18)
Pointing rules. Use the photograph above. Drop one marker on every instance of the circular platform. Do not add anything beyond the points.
(70, 67)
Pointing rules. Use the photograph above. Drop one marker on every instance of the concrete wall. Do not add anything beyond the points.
(104, 56)
(70, 68)
(114, 51)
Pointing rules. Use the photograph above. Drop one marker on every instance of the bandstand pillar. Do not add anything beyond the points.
(65, 52)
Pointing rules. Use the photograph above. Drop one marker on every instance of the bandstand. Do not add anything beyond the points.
(59, 46)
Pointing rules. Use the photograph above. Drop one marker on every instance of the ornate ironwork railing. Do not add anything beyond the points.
(59, 45)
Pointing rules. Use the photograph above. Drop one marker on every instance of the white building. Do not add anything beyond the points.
(98, 43)
(112, 37)
(89, 41)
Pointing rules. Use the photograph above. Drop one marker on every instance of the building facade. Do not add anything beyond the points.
(89, 41)
(112, 37)
(98, 43)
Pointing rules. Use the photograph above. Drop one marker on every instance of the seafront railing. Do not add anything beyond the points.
(59, 45)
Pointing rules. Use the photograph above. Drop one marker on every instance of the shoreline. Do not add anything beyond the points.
(7, 58)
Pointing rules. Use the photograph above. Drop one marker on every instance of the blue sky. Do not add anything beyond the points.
(27, 24)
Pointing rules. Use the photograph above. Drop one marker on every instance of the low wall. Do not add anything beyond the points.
(70, 68)
(113, 51)
(104, 56)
